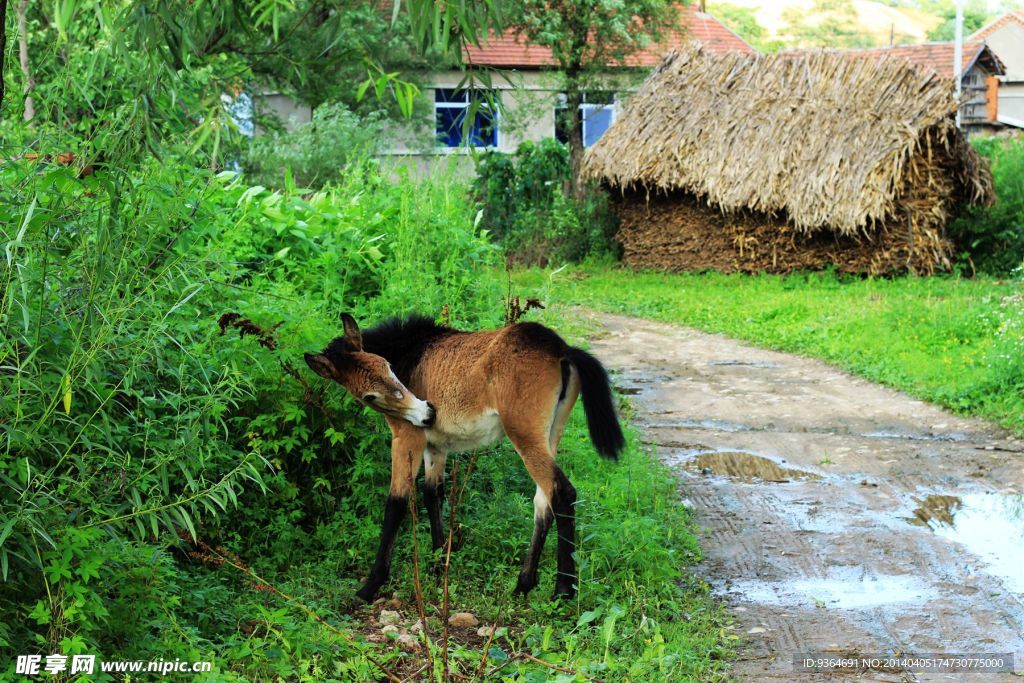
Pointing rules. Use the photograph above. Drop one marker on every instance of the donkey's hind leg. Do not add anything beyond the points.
(542, 513)
(553, 501)
(407, 446)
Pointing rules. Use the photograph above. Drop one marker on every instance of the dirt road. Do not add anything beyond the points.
(838, 516)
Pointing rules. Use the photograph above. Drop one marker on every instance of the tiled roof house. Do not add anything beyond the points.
(530, 109)
(1004, 36)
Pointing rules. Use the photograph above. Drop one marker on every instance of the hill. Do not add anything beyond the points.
(771, 24)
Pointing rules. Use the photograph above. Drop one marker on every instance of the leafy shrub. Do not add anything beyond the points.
(315, 152)
(527, 207)
(129, 417)
(992, 238)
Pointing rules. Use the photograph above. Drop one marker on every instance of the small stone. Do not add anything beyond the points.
(388, 616)
(393, 603)
(756, 629)
(417, 627)
(463, 620)
(390, 628)
(408, 642)
(485, 631)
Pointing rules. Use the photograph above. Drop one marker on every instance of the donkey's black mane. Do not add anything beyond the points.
(403, 340)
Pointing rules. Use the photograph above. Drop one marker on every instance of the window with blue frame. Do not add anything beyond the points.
(451, 109)
(597, 113)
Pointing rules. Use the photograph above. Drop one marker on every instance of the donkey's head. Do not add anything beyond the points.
(368, 377)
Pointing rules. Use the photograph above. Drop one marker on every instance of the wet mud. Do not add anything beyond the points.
(746, 467)
(837, 516)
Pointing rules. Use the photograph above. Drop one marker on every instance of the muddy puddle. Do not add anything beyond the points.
(712, 425)
(989, 525)
(765, 365)
(912, 436)
(843, 588)
(743, 466)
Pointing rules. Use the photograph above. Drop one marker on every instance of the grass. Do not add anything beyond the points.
(640, 615)
(952, 341)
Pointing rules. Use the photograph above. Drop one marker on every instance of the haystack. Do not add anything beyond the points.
(783, 162)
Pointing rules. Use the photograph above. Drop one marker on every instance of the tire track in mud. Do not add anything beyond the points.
(837, 516)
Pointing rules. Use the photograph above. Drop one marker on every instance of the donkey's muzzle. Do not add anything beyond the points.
(431, 417)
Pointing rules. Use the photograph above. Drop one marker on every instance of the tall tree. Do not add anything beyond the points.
(3, 47)
(591, 42)
(26, 69)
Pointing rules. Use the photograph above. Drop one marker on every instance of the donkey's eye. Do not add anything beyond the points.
(370, 398)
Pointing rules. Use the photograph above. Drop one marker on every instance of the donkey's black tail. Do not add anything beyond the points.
(598, 405)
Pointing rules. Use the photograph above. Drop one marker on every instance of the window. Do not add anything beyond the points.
(450, 110)
(597, 112)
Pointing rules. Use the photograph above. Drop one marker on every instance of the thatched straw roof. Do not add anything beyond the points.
(820, 138)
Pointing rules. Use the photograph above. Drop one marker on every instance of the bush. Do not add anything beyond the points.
(528, 208)
(129, 417)
(992, 238)
(315, 152)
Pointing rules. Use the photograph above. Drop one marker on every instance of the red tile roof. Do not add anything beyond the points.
(512, 50)
(988, 29)
(937, 57)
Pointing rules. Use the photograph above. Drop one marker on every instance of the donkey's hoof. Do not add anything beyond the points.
(524, 585)
(564, 590)
(367, 593)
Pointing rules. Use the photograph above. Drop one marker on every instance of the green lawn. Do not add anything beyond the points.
(956, 342)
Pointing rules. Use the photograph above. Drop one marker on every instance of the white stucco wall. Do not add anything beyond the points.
(1007, 42)
(528, 100)
(290, 112)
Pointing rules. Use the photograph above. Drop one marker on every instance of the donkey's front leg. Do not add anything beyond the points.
(407, 444)
(433, 494)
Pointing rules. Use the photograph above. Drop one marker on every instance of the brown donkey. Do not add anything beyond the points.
(520, 381)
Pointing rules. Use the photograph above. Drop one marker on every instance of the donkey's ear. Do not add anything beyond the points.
(321, 365)
(352, 334)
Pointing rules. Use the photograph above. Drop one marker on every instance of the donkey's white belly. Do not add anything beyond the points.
(466, 434)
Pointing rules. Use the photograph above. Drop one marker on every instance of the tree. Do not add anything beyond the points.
(975, 16)
(30, 109)
(590, 41)
(3, 48)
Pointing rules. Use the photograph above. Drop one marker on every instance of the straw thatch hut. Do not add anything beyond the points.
(784, 162)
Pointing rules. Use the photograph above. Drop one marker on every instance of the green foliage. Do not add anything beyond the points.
(743, 21)
(586, 37)
(976, 15)
(315, 152)
(948, 340)
(991, 238)
(127, 415)
(527, 208)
